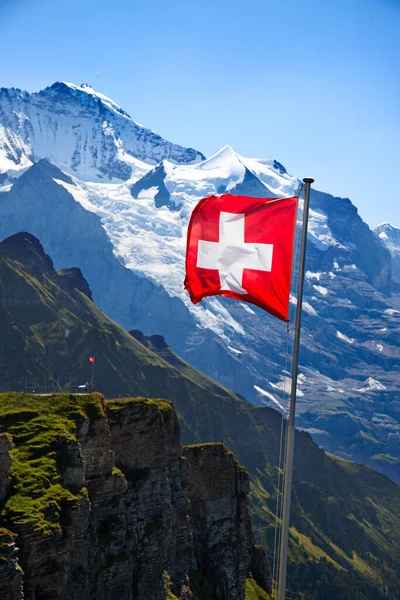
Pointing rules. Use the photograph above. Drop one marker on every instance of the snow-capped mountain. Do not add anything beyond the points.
(127, 233)
(80, 130)
(390, 236)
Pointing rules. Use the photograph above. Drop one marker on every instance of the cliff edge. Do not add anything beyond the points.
(99, 499)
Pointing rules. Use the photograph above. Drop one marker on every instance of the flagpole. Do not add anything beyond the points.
(291, 423)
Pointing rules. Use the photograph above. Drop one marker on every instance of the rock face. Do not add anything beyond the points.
(10, 570)
(5, 464)
(149, 521)
(219, 489)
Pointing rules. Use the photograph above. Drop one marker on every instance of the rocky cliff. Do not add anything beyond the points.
(105, 503)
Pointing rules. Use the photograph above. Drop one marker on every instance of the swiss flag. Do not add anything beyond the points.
(242, 248)
(91, 359)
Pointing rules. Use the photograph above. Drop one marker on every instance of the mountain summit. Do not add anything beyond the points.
(79, 130)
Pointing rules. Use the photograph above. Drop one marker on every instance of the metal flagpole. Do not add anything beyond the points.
(291, 426)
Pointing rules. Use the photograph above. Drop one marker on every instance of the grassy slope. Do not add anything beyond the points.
(36, 426)
(345, 518)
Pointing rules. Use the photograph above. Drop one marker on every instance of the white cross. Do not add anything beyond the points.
(231, 255)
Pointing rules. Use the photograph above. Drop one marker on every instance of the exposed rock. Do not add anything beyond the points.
(10, 571)
(224, 542)
(73, 278)
(89, 133)
(260, 569)
(148, 522)
(5, 464)
(25, 248)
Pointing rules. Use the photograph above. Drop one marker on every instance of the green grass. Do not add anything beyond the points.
(37, 425)
(116, 404)
(254, 592)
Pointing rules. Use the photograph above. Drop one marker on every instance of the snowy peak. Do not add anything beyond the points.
(225, 158)
(372, 385)
(80, 92)
(228, 164)
(182, 186)
(80, 131)
(390, 236)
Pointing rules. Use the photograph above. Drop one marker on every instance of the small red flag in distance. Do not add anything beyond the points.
(242, 248)
(91, 359)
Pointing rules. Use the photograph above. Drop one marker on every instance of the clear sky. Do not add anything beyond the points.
(312, 83)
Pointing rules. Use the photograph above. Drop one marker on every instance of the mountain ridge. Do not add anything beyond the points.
(89, 133)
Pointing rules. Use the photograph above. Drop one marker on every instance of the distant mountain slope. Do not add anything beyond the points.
(390, 237)
(345, 536)
(80, 130)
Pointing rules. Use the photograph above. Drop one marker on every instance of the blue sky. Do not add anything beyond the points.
(312, 83)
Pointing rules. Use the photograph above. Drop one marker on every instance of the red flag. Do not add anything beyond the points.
(91, 359)
(242, 248)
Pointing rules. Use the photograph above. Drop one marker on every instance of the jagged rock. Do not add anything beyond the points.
(134, 531)
(25, 248)
(10, 571)
(5, 463)
(218, 490)
(259, 568)
(72, 278)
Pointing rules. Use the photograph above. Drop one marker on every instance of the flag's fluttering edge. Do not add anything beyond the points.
(91, 359)
(242, 248)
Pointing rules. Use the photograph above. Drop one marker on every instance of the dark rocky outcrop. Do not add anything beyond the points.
(144, 520)
(5, 464)
(219, 489)
(10, 570)
(26, 249)
(72, 278)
